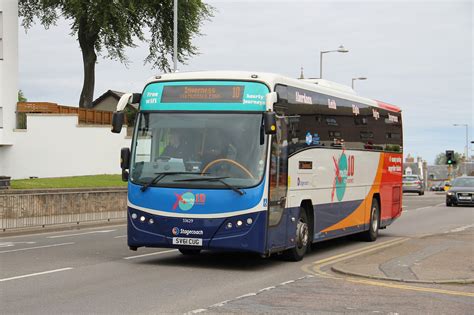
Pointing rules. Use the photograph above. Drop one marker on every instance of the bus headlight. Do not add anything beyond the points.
(134, 216)
(239, 223)
(151, 221)
(142, 218)
(249, 221)
(229, 225)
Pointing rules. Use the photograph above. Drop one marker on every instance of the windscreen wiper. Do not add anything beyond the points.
(212, 179)
(160, 176)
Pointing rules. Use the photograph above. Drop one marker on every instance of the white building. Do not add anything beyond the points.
(8, 74)
(52, 145)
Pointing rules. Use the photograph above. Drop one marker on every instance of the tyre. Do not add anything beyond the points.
(371, 234)
(421, 193)
(190, 252)
(302, 238)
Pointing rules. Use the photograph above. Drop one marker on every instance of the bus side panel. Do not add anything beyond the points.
(391, 188)
(340, 185)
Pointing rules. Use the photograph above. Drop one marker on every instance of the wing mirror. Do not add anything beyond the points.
(269, 122)
(118, 116)
(125, 162)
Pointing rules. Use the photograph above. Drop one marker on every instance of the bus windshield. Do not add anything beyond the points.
(199, 150)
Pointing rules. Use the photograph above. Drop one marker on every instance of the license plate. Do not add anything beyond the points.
(464, 198)
(188, 241)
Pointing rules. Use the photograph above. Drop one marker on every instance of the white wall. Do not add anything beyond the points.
(8, 72)
(55, 146)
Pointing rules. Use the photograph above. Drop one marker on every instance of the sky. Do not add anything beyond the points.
(417, 55)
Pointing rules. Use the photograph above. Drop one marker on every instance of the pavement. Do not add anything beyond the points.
(446, 258)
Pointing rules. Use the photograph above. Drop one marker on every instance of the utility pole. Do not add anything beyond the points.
(175, 36)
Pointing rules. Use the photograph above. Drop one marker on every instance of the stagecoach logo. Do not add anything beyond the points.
(177, 231)
(187, 200)
(343, 173)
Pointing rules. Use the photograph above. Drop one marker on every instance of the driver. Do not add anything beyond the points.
(176, 147)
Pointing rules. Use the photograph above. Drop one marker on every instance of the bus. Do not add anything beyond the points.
(257, 162)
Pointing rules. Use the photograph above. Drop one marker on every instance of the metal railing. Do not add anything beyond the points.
(43, 208)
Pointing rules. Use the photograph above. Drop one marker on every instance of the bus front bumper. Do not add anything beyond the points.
(234, 233)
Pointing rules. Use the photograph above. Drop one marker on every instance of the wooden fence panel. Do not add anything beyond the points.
(85, 116)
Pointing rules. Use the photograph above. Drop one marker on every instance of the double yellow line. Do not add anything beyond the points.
(316, 268)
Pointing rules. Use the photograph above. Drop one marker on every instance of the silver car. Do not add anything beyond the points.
(414, 184)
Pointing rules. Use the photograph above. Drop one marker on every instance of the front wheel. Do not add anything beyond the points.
(371, 234)
(302, 239)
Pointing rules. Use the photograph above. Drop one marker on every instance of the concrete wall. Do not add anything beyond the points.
(8, 71)
(56, 146)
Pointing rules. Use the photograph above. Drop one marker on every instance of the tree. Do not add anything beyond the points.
(21, 96)
(441, 158)
(109, 26)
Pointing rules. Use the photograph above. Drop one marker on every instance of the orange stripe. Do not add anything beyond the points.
(362, 213)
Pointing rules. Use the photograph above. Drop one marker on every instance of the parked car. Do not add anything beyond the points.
(413, 183)
(461, 192)
(439, 186)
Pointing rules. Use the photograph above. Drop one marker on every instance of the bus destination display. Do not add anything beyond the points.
(203, 94)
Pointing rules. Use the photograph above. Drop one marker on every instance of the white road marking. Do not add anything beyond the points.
(35, 274)
(200, 310)
(460, 229)
(151, 254)
(10, 244)
(245, 295)
(36, 247)
(120, 236)
(249, 294)
(77, 234)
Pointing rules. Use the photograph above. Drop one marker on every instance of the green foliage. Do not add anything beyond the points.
(131, 113)
(69, 182)
(115, 25)
(108, 27)
(441, 158)
(21, 96)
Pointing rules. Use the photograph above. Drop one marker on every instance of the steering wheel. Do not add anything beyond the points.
(229, 161)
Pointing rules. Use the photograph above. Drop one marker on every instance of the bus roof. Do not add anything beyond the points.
(271, 79)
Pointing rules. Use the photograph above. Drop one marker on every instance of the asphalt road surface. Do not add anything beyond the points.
(92, 271)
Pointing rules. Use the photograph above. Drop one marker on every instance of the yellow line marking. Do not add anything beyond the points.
(315, 268)
(412, 288)
(358, 252)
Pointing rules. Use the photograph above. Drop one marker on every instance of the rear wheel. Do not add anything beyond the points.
(189, 252)
(371, 234)
(302, 239)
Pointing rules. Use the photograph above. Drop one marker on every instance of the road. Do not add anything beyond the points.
(92, 271)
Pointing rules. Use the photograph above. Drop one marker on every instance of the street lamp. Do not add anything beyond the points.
(341, 49)
(467, 145)
(353, 79)
(175, 35)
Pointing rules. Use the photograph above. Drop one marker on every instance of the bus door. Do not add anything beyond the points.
(277, 218)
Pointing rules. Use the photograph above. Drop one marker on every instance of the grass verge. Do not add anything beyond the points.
(69, 182)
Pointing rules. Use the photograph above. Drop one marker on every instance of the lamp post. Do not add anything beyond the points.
(341, 49)
(466, 152)
(353, 79)
(175, 36)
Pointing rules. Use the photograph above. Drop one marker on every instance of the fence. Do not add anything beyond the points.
(85, 116)
(40, 208)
